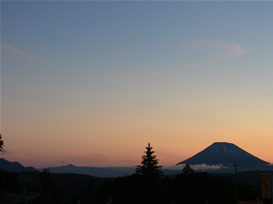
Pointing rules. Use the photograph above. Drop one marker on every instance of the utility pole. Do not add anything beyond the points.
(22, 180)
(235, 180)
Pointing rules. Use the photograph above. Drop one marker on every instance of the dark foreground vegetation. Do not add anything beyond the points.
(183, 188)
(45, 187)
(147, 185)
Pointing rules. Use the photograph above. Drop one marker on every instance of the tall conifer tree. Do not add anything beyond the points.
(149, 167)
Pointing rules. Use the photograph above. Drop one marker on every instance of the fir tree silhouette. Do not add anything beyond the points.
(149, 173)
(149, 167)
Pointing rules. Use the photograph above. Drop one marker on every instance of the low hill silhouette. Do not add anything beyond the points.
(14, 166)
(94, 171)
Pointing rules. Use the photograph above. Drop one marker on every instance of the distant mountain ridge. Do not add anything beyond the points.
(219, 153)
(94, 171)
(104, 171)
(14, 166)
(223, 153)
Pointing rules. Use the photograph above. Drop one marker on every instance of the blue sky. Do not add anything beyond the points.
(122, 74)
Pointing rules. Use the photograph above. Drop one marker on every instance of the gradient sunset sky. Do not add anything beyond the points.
(91, 83)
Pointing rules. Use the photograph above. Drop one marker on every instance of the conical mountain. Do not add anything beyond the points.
(224, 153)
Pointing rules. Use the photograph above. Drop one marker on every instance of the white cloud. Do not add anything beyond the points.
(203, 167)
(15, 50)
(230, 49)
(225, 52)
(6, 152)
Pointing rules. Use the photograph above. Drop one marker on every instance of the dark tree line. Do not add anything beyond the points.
(49, 191)
(42, 189)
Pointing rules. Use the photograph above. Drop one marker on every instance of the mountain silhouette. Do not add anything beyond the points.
(94, 171)
(14, 166)
(223, 153)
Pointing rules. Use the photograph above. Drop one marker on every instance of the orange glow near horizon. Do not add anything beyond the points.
(116, 148)
(108, 81)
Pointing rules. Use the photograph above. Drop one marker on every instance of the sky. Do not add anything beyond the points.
(92, 83)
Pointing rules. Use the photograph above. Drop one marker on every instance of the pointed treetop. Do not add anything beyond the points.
(149, 167)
